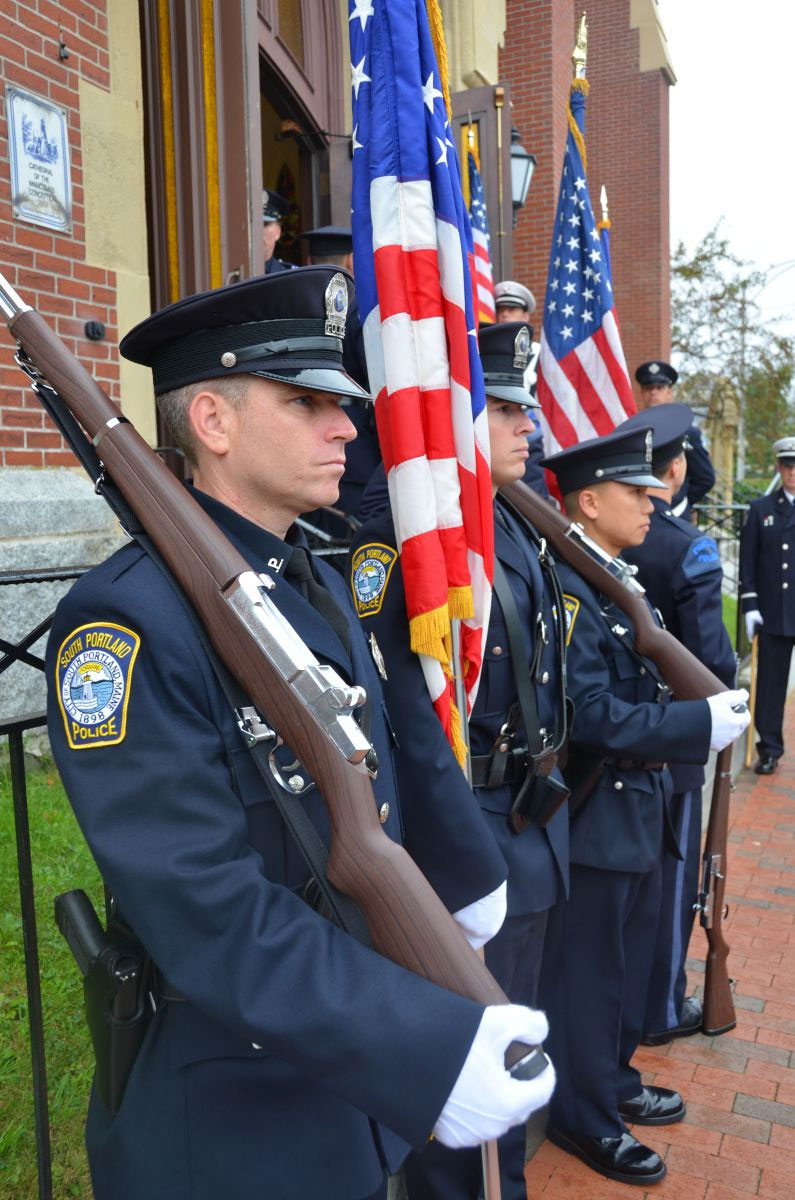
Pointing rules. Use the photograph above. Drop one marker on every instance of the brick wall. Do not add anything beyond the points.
(627, 143)
(49, 269)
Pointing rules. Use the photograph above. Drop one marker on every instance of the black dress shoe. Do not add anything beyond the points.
(765, 765)
(622, 1158)
(654, 1106)
(689, 1023)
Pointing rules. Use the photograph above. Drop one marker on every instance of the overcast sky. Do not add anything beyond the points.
(733, 131)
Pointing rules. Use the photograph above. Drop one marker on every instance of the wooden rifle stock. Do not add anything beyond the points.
(407, 921)
(688, 679)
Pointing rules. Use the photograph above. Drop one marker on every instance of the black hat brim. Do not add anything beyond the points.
(318, 379)
(516, 395)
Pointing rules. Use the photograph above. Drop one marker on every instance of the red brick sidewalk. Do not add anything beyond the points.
(738, 1139)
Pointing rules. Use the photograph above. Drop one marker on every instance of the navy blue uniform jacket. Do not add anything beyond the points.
(700, 472)
(680, 568)
(767, 562)
(295, 1039)
(617, 717)
(536, 859)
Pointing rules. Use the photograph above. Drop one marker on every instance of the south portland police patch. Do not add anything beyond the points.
(370, 571)
(94, 672)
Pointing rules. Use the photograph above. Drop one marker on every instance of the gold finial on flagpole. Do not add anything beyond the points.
(580, 54)
(603, 202)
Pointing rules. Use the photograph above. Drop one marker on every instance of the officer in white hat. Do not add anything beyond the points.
(767, 595)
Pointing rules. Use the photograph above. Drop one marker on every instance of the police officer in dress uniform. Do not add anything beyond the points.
(767, 594)
(274, 209)
(680, 569)
(600, 945)
(520, 704)
(514, 302)
(657, 381)
(284, 1058)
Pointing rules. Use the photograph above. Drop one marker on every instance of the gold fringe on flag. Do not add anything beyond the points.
(459, 600)
(440, 47)
(578, 85)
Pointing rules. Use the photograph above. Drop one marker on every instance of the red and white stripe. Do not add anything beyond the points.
(436, 457)
(588, 392)
(483, 277)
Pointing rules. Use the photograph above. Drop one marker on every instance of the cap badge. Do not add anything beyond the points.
(336, 306)
(654, 368)
(649, 439)
(521, 348)
(228, 359)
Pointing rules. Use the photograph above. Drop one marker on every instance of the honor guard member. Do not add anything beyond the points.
(767, 594)
(516, 730)
(514, 302)
(333, 245)
(679, 566)
(657, 381)
(284, 1057)
(600, 945)
(274, 209)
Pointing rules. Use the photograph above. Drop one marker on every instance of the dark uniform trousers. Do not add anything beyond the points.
(767, 583)
(301, 1063)
(536, 859)
(680, 568)
(599, 946)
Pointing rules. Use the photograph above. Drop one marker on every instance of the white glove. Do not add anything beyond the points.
(727, 725)
(753, 621)
(485, 1101)
(481, 919)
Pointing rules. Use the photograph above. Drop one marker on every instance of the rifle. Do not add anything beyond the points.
(307, 702)
(688, 679)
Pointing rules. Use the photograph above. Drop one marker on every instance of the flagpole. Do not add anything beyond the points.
(492, 1187)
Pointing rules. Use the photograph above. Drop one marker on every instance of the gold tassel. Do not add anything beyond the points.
(428, 632)
(440, 47)
(456, 737)
(578, 85)
(460, 604)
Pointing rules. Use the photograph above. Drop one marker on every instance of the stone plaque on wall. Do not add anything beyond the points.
(41, 185)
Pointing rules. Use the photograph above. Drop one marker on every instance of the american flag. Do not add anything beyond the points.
(583, 384)
(414, 265)
(480, 236)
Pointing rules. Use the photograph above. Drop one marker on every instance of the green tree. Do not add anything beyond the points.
(718, 333)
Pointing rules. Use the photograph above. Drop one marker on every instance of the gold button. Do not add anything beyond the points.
(383, 813)
(497, 650)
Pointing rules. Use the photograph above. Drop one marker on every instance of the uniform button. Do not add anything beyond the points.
(785, 545)
(642, 670)
(496, 650)
(784, 586)
(618, 785)
(503, 747)
(383, 813)
(254, 1046)
(784, 566)
(545, 677)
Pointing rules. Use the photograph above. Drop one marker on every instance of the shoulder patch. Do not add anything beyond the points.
(93, 676)
(702, 558)
(370, 570)
(571, 606)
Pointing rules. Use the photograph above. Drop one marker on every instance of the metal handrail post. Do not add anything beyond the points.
(14, 730)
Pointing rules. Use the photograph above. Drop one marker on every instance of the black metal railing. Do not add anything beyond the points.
(724, 522)
(14, 729)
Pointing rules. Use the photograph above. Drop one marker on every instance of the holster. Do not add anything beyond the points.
(117, 1014)
(540, 796)
(582, 772)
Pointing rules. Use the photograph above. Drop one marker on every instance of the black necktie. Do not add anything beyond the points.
(299, 569)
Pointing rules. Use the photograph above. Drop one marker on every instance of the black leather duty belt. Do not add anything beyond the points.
(632, 764)
(488, 772)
